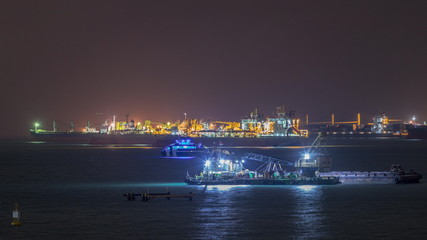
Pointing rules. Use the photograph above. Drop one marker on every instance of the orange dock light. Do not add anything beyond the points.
(358, 119)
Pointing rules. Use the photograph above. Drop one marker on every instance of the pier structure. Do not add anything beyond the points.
(381, 124)
(149, 196)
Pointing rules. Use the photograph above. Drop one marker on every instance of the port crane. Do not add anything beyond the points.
(314, 159)
(270, 164)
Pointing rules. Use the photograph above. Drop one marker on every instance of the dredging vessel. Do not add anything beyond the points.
(222, 169)
(312, 168)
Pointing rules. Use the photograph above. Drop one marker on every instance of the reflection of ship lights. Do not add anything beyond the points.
(306, 187)
(225, 187)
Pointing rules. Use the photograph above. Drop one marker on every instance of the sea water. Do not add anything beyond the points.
(75, 191)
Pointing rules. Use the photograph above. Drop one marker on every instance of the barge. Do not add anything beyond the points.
(396, 175)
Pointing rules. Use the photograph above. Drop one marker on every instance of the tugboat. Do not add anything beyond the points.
(184, 148)
(405, 176)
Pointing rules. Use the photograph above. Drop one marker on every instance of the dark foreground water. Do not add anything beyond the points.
(74, 192)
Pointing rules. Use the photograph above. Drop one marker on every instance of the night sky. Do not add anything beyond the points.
(88, 60)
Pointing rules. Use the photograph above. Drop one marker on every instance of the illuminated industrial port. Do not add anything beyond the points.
(280, 125)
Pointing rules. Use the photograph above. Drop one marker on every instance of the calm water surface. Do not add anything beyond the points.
(71, 191)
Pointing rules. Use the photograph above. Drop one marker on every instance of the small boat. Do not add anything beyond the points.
(184, 148)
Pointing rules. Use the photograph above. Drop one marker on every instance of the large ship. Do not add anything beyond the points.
(160, 140)
(417, 132)
(222, 168)
(312, 168)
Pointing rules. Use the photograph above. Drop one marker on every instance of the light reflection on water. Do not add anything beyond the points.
(308, 212)
(307, 188)
(219, 188)
(222, 211)
(217, 214)
(124, 185)
(184, 158)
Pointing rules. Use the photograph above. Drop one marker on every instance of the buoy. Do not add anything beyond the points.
(16, 215)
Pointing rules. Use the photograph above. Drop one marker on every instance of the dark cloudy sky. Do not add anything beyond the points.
(69, 60)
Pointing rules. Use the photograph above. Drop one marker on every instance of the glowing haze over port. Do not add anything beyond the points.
(156, 60)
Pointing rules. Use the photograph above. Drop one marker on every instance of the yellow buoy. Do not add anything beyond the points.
(16, 216)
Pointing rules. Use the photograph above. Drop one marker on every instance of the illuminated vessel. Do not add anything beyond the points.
(312, 168)
(184, 148)
(224, 169)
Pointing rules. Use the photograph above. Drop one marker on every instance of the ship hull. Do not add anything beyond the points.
(347, 177)
(417, 133)
(184, 154)
(66, 137)
(162, 140)
(308, 181)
